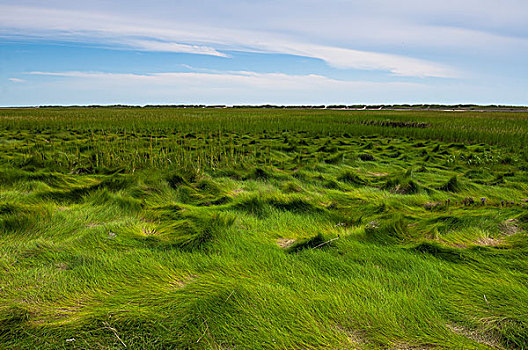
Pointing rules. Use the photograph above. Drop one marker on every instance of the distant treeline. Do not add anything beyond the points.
(459, 107)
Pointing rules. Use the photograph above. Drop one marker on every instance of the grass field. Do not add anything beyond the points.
(263, 229)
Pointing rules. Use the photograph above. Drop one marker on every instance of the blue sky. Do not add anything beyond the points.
(257, 52)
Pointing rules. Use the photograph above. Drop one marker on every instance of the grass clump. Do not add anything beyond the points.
(366, 157)
(389, 231)
(253, 205)
(294, 204)
(314, 242)
(352, 178)
(440, 251)
(181, 177)
(452, 185)
(401, 185)
(193, 232)
(291, 187)
(336, 158)
(259, 174)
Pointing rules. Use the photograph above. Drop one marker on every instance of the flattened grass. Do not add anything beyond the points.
(159, 229)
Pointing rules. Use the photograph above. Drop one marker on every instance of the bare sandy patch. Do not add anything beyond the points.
(377, 174)
(354, 338)
(285, 242)
(509, 227)
(489, 242)
(475, 336)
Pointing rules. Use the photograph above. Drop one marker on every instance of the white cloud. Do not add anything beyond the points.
(238, 87)
(276, 81)
(151, 45)
(346, 58)
(16, 80)
(199, 39)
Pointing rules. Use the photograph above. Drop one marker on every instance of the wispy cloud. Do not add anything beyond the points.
(153, 45)
(275, 81)
(191, 38)
(16, 80)
(471, 51)
(238, 87)
(397, 65)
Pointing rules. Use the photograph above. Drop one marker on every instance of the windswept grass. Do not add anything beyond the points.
(263, 229)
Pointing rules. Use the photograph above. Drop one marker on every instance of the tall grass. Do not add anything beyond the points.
(263, 229)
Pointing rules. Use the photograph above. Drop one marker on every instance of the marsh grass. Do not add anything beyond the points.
(158, 228)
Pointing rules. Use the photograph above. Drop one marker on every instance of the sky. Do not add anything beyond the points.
(288, 52)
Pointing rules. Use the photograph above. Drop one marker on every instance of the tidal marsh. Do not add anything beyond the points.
(263, 229)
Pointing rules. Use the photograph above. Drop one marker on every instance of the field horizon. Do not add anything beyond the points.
(354, 107)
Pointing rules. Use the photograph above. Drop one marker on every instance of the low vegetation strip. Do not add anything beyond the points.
(266, 229)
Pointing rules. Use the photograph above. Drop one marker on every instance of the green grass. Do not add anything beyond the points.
(263, 229)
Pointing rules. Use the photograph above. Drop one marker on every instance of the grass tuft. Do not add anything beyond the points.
(317, 241)
(452, 185)
(352, 178)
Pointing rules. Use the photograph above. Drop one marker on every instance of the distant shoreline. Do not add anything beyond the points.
(405, 107)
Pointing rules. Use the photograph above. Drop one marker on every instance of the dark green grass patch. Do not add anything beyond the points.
(352, 178)
(317, 241)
